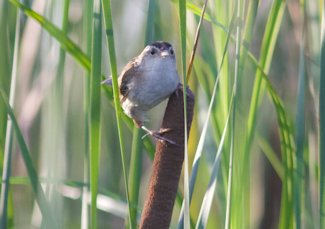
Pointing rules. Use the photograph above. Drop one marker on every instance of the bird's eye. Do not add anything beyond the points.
(153, 52)
(172, 52)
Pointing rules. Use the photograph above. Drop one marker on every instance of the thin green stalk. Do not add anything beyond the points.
(232, 132)
(6, 174)
(94, 119)
(118, 109)
(87, 34)
(135, 174)
(322, 125)
(182, 20)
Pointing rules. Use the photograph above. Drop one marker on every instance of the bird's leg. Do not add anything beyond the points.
(157, 134)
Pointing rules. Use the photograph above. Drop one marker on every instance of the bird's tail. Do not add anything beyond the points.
(108, 81)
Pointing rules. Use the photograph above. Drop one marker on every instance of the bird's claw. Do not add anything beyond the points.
(157, 135)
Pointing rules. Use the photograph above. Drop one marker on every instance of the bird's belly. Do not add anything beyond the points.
(153, 92)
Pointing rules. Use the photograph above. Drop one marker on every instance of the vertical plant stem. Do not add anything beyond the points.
(135, 174)
(94, 122)
(182, 18)
(232, 132)
(118, 109)
(87, 34)
(322, 124)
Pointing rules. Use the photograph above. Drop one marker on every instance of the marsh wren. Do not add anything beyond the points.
(146, 81)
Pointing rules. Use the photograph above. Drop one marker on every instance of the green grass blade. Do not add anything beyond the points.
(87, 26)
(118, 109)
(66, 43)
(322, 124)
(94, 119)
(182, 26)
(135, 174)
(233, 121)
(32, 174)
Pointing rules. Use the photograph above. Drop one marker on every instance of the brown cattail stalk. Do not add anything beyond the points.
(167, 164)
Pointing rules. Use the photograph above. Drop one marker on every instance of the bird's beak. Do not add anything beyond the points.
(164, 53)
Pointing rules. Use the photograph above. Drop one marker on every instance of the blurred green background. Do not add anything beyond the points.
(263, 58)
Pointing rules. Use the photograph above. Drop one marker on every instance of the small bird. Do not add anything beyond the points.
(146, 81)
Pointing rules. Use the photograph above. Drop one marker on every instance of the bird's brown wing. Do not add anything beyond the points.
(129, 71)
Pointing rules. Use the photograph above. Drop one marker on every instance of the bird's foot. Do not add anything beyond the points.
(157, 134)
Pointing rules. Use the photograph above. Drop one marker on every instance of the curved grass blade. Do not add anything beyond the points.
(287, 149)
(32, 174)
(118, 109)
(66, 43)
(94, 106)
